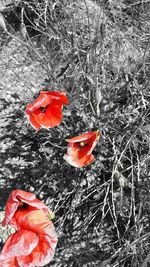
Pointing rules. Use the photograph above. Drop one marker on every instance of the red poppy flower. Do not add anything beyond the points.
(79, 150)
(33, 244)
(46, 110)
(35, 240)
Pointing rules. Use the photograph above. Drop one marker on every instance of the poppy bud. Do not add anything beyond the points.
(2, 23)
(98, 100)
(23, 31)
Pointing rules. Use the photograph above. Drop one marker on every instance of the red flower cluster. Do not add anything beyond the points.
(46, 110)
(33, 244)
(79, 150)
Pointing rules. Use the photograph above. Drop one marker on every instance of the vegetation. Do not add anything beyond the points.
(99, 53)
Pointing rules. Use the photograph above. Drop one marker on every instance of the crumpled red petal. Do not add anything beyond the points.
(35, 220)
(42, 254)
(79, 163)
(46, 110)
(15, 199)
(83, 137)
(33, 122)
(19, 244)
(42, 101)
(51, 117)
(60, 96)
(78, 154)
(9, 262)
(34, 244)
(38, 221)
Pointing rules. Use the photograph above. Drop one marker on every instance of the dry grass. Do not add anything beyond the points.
(98, 51)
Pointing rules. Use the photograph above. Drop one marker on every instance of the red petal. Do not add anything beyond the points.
(77, 151)
(79, 163)
(9, 262)
(35, 246)
(40, 224)
(42, 101)
(84, 137)
(60, 96)
(33, 122)
(51, 117)
(35, 220)
(42, 254)
(14, 200)
(19, 244)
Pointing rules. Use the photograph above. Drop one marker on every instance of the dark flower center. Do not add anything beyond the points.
(43, 109)
(22, 205)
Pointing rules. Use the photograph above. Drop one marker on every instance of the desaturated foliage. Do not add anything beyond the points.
(98, 53)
